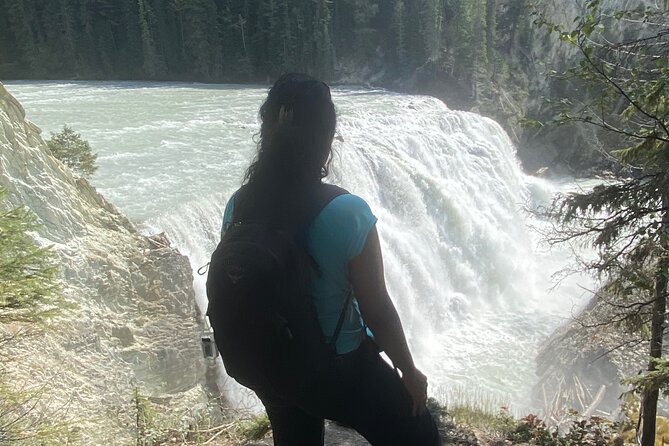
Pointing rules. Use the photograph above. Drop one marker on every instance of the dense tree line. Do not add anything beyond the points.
(243, 40)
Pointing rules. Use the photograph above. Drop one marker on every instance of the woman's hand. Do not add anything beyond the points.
(416, 384)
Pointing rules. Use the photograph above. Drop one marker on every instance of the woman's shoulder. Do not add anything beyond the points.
(347, 203)
(347, 212)
(344, 223)
(229, 211)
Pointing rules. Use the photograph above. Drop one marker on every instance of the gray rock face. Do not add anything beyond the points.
(574, 148)
(135, 321)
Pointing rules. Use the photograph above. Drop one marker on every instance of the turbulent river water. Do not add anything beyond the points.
(466, 272)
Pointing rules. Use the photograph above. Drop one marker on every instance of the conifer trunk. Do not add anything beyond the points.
(649, 409)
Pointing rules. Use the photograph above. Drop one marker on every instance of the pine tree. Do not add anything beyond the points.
(491, 35)
(69, 49)
(151, 63)
(627, 221)
(29, 294)
(20, 15)
(202, 47)
(363, 13)
(106, 46)
(322, 41)
(28, 287)
(288, 39)
(431, 26)
(247, 40)
(399, 13)
(460, 37)
(74, 151)
(54, 29)
(271, 43)
(130, 42)
(414, 38)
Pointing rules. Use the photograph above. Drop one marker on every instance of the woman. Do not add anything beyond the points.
(359, 389)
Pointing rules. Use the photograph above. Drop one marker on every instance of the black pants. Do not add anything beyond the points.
(360, 390)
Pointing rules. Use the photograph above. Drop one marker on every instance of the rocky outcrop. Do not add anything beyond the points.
(134, 321)
(574, 148)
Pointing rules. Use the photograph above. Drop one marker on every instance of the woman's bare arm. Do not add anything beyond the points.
(379, 313)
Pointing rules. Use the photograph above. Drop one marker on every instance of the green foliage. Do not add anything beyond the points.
(28, 288)
(151, 62)
(498, 426)
(254, 428)
(592, 431)
(499, 423)
(399, 13)
(29, 294)
(532, 429)
(627, 221)
(144, 413)
(22, 425)
(74, 151)
(657, 379)
(628, 78)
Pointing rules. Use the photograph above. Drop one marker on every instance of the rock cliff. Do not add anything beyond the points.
(134, 321)
(571, 149)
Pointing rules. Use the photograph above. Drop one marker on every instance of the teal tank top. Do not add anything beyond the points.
(335, 236)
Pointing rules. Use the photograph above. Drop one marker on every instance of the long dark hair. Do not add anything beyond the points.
(298, 122)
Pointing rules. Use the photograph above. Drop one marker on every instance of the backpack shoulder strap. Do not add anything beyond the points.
(317, 199)
(340, 322)
(320, 198)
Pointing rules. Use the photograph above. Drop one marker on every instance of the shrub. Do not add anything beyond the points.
(74, 151)
(592, 431)
(532, 429)
(255, 428)
(147, 434)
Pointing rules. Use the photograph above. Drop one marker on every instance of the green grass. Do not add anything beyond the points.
(253, 428)
(479, 410)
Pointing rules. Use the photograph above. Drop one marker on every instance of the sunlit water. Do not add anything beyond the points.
(465, 272)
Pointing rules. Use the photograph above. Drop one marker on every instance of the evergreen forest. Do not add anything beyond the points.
(254, 41)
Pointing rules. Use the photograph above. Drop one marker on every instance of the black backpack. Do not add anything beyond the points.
(260, 304)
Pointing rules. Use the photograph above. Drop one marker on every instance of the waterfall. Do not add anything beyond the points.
(450, 195)
(462, 267)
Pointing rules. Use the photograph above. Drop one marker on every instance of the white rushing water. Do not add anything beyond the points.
(463, 269)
